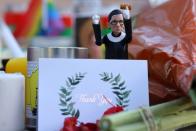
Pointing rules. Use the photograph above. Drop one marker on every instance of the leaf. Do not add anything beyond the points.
(73, 112)
(119, 102)
(78, 79)
(69, 108)
(68, 84)
(121, 84)
(104, 79)
(63, 110)
(125, 101)
(63, 90)
(75, 82)
(68, 99)
(115, 88)
(117, 78)
(117, 92)
(120, 97)
(114, 84)
(68, 93)
(77, 114)
(71, 104)
(82, 75)
(65, 113)
(70, 80)
(72, 88)
(108, 79)
(126, 94)
(62, 95)
(101, 75)
(111, 75)
(112, 80)
(123, 88)
(124, 106)
(63, 102)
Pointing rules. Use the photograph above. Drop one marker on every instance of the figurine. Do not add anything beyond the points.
(116, 42)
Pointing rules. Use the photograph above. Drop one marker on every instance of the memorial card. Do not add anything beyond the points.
(86, 88)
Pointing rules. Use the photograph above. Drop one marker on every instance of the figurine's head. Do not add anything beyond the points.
(116, 21)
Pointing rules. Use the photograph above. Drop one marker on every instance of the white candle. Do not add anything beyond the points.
(12, 101)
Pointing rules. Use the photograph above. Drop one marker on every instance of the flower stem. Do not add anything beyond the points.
(127, 117)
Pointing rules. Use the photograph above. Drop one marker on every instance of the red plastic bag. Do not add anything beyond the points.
(166, 37)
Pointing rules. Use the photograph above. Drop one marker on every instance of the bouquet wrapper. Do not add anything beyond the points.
(165, 36)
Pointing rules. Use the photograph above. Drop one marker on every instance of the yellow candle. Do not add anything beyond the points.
(17, 65)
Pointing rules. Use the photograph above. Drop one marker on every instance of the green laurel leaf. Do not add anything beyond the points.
(77, 114)
(68, 99)
(64, 91)
(68, 84)
(121, 84)
(125, 101)
(114, 83)
(65, 95)
(63, 110)
(115, 88)
(70, 80)
(118, 88)
(117, 78)
(73, 112)
(75, 82)
(126, 94)
(63, 102)
(125, 106)
(123, 88)
(119, 102)
(68, 93)
(62, 95)
(120, 97)
(116, 92)
(78, 78)
(70, 108)
(65, 113)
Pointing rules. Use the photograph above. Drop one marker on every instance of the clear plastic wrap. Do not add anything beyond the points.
(166, 37)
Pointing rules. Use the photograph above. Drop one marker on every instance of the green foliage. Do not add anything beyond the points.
(118, 88)
(65, 95)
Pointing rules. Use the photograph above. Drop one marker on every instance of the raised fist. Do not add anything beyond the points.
(126, 8)
(96, 19)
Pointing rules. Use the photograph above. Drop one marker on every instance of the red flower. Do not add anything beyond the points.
(88, 127)
(113, 110)
(70, 121)
(70, 124)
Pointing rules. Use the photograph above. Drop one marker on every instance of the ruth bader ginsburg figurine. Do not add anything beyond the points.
(116, 42)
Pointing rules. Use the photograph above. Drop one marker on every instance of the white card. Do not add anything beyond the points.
(85, 88)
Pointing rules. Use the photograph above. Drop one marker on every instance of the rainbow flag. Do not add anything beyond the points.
(30, 23)
(54, 24)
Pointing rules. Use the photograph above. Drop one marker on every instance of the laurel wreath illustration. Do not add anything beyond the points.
(118, 88)
(65, 95)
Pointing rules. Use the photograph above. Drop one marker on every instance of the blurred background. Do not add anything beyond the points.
(58, 22)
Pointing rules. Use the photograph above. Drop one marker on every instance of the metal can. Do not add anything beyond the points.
(33, 55)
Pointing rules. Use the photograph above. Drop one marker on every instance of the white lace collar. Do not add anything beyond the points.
(116, 39)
